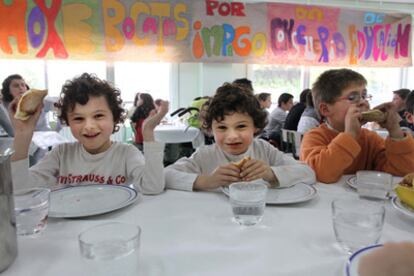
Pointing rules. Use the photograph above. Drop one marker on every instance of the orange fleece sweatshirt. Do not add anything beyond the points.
(332, 154)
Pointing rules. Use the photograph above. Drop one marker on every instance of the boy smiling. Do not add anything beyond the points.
(234, 116)
(93, 109)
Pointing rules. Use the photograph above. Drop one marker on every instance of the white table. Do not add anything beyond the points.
(190, 233)
(179, 133)
(46, 139)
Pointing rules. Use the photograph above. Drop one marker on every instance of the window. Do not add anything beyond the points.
(276, 79)
(59, 71)
(152, 78)
(33, 71)
(410, 78)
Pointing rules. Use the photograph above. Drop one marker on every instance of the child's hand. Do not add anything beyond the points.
(27, 126)
(392, 120)
(153, 119)
(221, 176)
(352, 120)
(255, 169)
(23, 130)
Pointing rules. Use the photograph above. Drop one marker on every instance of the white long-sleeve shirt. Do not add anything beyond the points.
(71, 164)
(182, 174)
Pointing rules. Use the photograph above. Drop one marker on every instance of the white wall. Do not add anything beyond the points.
(197, 79)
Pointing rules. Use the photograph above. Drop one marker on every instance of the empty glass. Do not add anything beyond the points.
(357, 223)
(111, 249)
(248, 200)
(31, 209)
(373, 184)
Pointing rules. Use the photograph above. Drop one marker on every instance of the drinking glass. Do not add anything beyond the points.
(357, 223)
(373, 184)
(31, 208)
(248, 200)
(111, 249)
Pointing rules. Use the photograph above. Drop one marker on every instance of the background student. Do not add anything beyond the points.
(273, 129)
(293, 117)
(144, 106)
(398, 99)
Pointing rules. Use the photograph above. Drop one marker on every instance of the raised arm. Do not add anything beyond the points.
(23, 131)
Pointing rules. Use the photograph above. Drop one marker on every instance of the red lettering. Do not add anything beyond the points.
(53, 40)
(225, 8)
(237, 9)
(211, 5)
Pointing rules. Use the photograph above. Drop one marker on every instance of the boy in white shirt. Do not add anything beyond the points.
(92, 109)
(235, 117)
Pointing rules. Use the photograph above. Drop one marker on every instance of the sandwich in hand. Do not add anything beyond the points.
(373, 115)
(240, 163)
(28, 103)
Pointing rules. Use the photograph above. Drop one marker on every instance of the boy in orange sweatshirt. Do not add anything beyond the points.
(340, 146)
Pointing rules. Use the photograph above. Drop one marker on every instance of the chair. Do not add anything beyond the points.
(292, 141)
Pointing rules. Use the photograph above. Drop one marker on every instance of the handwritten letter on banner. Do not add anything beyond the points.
(203, 31)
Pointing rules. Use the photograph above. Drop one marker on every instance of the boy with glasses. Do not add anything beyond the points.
(340, 146)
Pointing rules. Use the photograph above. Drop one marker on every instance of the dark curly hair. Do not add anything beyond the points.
(5, 89)
(79, 89)
(230, 98)
(143, 110)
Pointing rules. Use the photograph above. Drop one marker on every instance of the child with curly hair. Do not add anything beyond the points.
(234, 116)
(92, 109)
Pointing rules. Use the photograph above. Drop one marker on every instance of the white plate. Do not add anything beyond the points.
(402, 207)
(295, 194)
(89, 200)
(352, 182)
(351, 268)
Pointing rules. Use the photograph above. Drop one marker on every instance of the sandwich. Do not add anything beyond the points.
(374, 115)
(405, 190)
(408, 180)
(28, 103)
(240, 163)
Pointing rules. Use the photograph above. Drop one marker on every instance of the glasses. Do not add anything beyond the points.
(355, 97)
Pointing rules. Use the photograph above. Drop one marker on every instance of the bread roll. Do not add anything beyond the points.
(28, 103)
(373, 115)
(242, 162)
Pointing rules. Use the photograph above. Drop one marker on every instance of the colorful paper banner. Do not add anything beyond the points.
(203, 31)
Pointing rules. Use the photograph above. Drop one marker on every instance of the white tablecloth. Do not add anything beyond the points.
(46, 139)
(179, 134)
(190, 233)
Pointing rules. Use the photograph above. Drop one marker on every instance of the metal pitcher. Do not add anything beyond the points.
(8, 239)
